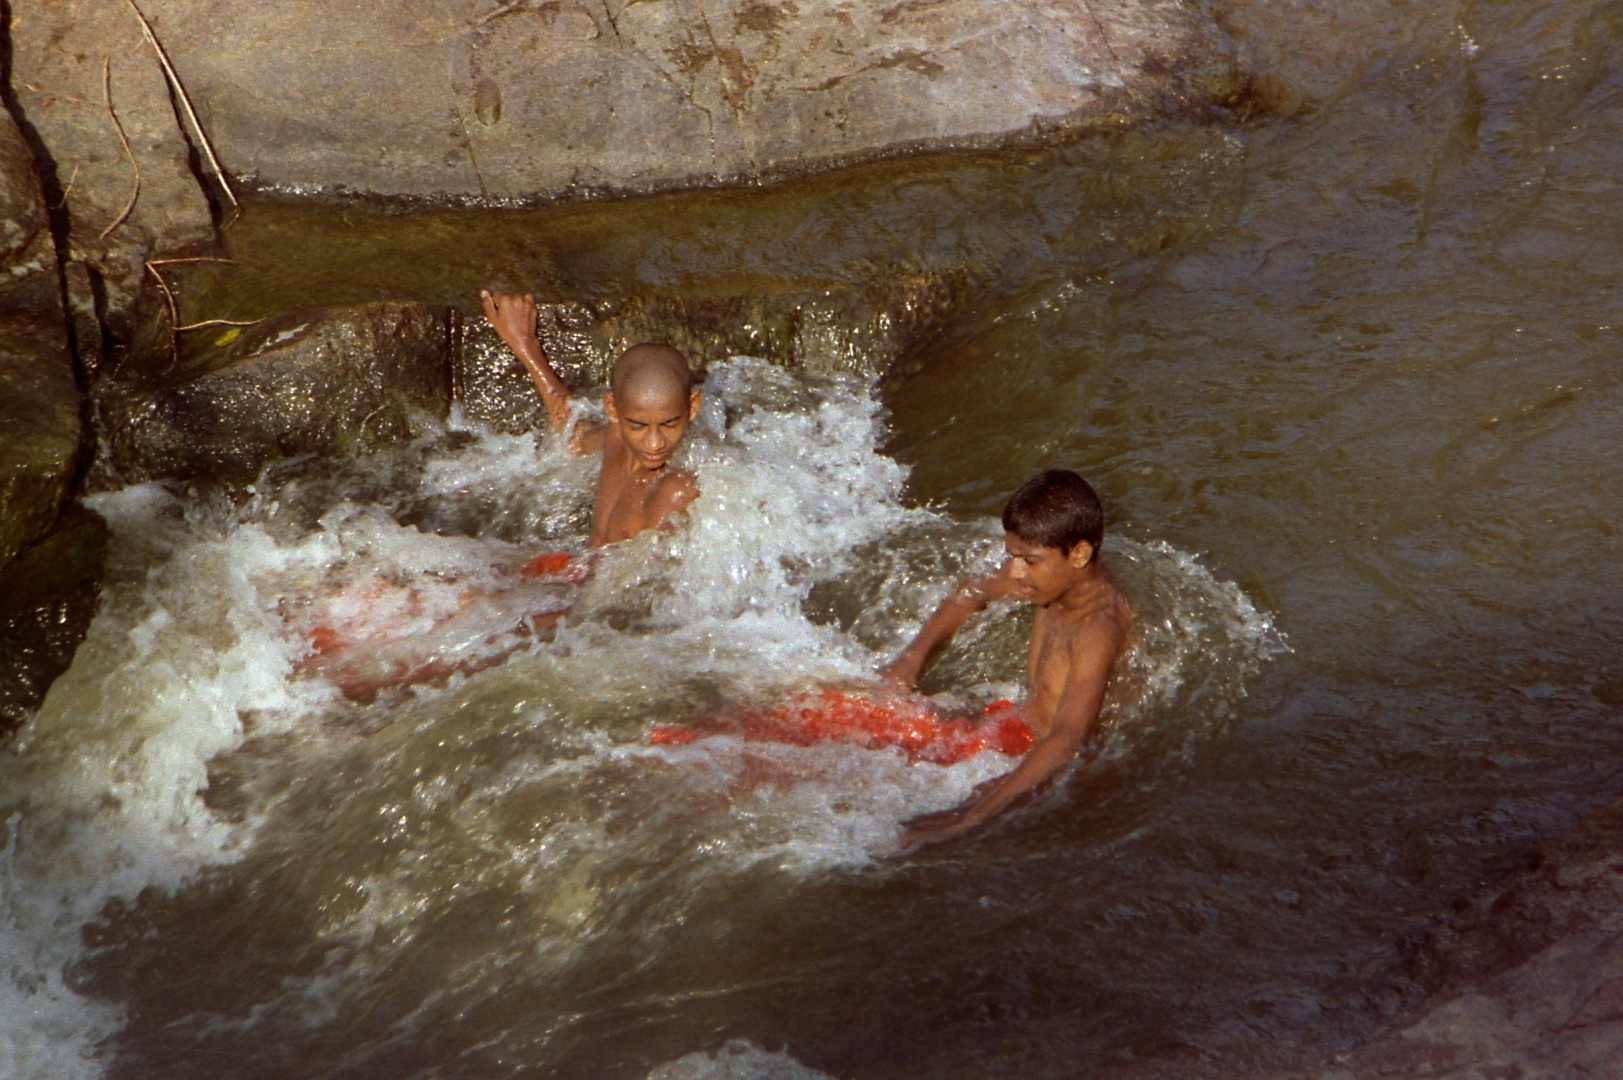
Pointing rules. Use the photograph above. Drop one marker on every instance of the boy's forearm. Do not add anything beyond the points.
(1041, 762)
(947, 619)
(554, 393)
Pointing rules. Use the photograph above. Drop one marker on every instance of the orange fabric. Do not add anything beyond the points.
(545, 565)
(324, 639)
(830, 716)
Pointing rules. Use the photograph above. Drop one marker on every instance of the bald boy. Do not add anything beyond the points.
(650, 402)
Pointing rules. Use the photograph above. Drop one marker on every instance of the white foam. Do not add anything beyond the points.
(211, 606)
(739, 1059)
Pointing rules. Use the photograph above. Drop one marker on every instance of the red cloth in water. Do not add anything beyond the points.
(546, 565)
(830, 716)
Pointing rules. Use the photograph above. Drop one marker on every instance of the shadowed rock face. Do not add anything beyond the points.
(521, 99)
(860, 330)
(47, 598)
(39, 400)
(57, 50)
(1527, 975)
(339, 379)
(326, 383)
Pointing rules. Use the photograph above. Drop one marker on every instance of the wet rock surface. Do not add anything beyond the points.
(39, 398)
(1527, 975)
(520, 99)
(863, 330)
(337, 380)
(330, 382)
(1525, 981)
(48, 596)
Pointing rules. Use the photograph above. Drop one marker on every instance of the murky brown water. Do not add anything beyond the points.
(1362, 358)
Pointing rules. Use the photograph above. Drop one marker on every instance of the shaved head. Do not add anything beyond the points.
(651, 372)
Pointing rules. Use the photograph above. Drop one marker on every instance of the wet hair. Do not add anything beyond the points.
(653, 366)
(1057, 509)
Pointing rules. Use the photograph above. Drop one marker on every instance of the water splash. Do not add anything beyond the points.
(383, 834)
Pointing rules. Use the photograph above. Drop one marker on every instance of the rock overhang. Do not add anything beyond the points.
(515, 102)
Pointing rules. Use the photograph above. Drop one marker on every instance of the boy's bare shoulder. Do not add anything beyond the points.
(1102, 619)
(674, 492)
(588, 438)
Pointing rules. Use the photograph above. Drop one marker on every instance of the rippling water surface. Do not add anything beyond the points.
(1347, 378)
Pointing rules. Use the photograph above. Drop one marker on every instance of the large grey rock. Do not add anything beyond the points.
(57, 51)
(328, 382)
(863, 330)
(39, 399)
(519, 99)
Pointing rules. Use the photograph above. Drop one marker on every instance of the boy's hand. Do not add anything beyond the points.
(936, 828)
(514, 317)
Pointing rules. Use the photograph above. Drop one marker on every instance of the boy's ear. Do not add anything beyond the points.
(1080, 555)
(608, 407)
(695, 399)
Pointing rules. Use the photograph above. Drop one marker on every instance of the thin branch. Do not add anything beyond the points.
(218, 322)
(74, 179)
(196, 259)
(107, 98)
(169, 297)
(174, 317)
(191, 114)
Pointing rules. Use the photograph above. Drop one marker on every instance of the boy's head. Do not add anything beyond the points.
(1055, 526)
(652, 400)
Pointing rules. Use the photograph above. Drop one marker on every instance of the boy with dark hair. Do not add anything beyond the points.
(1053, 529)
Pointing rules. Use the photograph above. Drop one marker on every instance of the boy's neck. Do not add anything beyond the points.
(1085, 578)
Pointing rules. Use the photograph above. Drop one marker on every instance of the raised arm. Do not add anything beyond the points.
(971, 595)
(1093, 654)
(514, 318)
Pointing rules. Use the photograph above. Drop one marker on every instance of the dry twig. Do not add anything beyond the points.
(175, 326)
(107, 98)
(191, 114)
(194, 259)
(174, 318)
(74, 179)
(218, 322)
(169, 297)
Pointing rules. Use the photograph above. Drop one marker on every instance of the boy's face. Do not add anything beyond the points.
(652, 425)
(1043, 574)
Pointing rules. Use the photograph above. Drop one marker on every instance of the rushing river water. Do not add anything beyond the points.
(1347, 378)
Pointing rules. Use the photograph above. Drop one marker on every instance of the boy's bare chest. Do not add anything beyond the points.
(1048, 665)
(621, 509)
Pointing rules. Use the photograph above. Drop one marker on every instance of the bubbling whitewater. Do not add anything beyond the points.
(483, 849)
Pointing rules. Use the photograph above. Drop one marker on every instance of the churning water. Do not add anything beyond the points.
(1360, 354)
(457, 865)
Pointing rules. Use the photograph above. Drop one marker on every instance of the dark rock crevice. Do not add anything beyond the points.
(57, 222)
